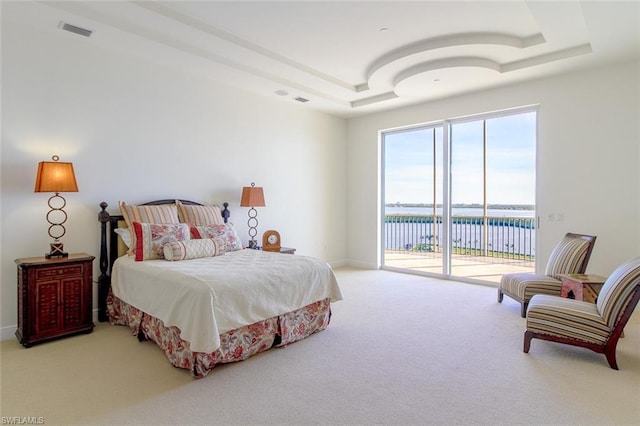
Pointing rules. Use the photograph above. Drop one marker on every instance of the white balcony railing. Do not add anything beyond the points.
(496, 237)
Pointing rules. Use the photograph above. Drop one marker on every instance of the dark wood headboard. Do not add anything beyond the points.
(109, 246)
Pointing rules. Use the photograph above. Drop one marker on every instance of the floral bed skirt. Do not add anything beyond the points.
(236, 345)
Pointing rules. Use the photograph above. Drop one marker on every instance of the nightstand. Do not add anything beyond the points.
(581, 286)
(287, 250)
(55, 297)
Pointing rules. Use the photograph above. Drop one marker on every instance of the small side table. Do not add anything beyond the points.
(584, 287)
(54, 297)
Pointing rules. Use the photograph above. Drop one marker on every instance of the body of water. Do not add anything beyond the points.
(460, 211)
(509, 231)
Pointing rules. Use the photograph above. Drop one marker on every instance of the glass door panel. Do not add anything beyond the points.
(510, 192)
(412, 192)
(467, 189)
(493, 196)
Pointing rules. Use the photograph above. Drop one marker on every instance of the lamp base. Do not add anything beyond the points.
(57, 250)
(253, 244)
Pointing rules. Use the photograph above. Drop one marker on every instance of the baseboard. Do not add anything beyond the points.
(7, 333)
(338, 264)
(361, 265)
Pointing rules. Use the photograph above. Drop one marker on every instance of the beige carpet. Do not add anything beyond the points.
(400, 349)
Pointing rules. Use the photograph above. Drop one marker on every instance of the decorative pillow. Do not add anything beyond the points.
(151, 238)
(193, 249)
(123, 249)
(567, 257)
(199, 215)
(166, 213)
(125, 235)
(226, 232)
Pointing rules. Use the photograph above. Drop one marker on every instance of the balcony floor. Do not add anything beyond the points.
(465, 266)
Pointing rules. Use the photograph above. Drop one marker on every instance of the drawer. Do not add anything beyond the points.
(66, 270)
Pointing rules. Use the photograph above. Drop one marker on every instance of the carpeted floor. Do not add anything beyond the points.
(401, 349)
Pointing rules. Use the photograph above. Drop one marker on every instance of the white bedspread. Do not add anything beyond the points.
(209, 296)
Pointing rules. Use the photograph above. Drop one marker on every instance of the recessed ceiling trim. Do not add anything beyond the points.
(490, 64)
(454, 41)
(160, 38)
(216, 46)
(583, 49)
(232, 38)
(446, 63)
(362, 87)
(373, 99)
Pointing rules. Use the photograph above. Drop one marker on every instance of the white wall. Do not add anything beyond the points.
(136, 131)
(588, 152)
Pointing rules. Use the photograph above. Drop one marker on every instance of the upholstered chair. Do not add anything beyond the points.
(596, 326)
(570, 256)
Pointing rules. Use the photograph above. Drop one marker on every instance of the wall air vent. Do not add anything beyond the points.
(301, 99)
(74, 29)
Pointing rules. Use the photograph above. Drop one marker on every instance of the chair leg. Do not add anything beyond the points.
(610, 353)
(500, 296)
(528, 335)
(523, 309)
(611, 358)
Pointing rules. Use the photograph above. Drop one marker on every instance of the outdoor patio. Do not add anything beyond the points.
(466, 266)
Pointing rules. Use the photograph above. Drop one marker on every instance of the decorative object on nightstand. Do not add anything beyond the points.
(252, 196)
(55, 176)
(55, 297)
(271, 240)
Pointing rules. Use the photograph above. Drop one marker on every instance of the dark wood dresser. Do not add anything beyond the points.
(55, 297)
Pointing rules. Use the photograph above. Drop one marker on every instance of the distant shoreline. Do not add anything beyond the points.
(467, 206)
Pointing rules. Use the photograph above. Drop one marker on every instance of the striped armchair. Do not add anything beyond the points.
(570, 256)
(594, 326)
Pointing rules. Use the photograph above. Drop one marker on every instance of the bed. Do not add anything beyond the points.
(176, 274)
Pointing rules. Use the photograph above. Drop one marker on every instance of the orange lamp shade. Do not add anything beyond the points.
(55, 176)
(252, 196)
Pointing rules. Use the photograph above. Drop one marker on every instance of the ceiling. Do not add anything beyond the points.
(350, 58)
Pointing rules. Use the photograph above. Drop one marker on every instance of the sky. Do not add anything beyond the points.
(409, 162)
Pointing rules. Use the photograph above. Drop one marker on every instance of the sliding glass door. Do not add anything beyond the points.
(412, 209)
(459, 196)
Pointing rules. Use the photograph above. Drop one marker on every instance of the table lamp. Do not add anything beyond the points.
(252, 196)
(55, 176)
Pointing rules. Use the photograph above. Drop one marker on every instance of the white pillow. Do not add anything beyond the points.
(193, 249)
(125, 234)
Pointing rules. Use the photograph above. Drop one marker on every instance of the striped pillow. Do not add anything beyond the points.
(567, 257)
(199, 215)
(193, 249)
(617, 289)
(166, 213)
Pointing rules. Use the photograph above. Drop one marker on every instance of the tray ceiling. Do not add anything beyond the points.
(352, 58)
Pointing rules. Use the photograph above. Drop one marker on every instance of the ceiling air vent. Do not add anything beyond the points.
(74, 29)
(301, 99)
